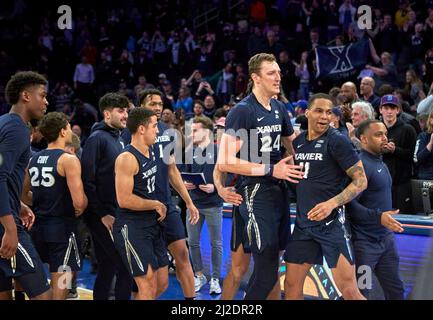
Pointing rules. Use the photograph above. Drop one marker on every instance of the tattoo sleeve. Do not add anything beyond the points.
(358, 184)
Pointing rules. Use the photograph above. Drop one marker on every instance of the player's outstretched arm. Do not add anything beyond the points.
(358, 184)
(125, 168)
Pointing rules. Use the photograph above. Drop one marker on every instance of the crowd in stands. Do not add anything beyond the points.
(132, 45)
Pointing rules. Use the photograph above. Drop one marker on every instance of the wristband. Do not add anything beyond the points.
(269, 170)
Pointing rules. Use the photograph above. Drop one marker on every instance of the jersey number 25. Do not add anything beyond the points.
(46, 180)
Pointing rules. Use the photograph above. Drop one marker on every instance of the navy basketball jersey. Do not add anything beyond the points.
(260, 130)
(325, 161)
(144, 186)
(163, 149)
(51, 195)
(14, 158)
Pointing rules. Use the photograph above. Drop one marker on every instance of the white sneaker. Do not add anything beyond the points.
(199, 282)
(214, 286)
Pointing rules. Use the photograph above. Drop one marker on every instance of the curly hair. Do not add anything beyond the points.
(113, 100)
(20, 82)
(51, 124)
(148, 93)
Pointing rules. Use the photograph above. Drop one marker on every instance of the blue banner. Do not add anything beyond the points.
(340, 63)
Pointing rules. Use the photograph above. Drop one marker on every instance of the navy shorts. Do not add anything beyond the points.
(29, 269)
(57, 245)
(266, 216)
(139, 246)
(310, 245)
(173, 228)
(238, 236)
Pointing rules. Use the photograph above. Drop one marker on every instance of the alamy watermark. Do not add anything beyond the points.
(65, 280)
(365, 279)
(365, 17)
(65, 20)
(257, 146)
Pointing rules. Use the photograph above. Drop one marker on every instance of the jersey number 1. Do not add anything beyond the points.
(306, 167)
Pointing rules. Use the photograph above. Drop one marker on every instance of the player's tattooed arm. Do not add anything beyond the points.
(358, 184)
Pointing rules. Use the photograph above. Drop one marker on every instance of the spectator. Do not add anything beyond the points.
(184, 101)
(258, 11)
(225, 85)
(414, 88)
(204, 89)
(387, 73)
(273, 44)
(428, 64)
(256, 42)
(417, 45)
(388, 37)
(62, 95)
(361, 111)
(289, 81)
(426, 105)
(346, 14)
(167, 116)
(349, 95)
(84, 77)
(332, 21)
(366, 90)
(198, 108)
(209, 106)
(90, 52)
(142, 85)
(304, 77)
(423, 157)
(85, 115)
(123, 67)
(241, 81)
(401, 16)
(399, 153)
(336, 121)
(194, 81)
(422, 120)
(105, 78)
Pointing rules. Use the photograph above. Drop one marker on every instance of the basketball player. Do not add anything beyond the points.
(330, 162)
(250, 147)
(137, 233)
(173, 228)
(26, 92)
(57, 198)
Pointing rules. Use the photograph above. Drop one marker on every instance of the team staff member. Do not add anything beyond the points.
(98, 158)
(371, 215)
